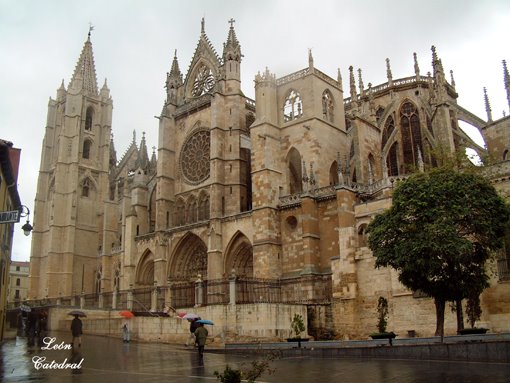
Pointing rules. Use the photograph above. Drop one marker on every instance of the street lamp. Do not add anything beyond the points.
(27, 227)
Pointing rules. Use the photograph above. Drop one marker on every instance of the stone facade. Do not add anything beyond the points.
(280, 188)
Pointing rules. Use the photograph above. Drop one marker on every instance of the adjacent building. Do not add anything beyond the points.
(18, 285)
(10, 210)
(274, 193)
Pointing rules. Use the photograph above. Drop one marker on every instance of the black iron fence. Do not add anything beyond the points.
(313, 289)
(504, 269)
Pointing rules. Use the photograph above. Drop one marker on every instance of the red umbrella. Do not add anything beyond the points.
(126, 314)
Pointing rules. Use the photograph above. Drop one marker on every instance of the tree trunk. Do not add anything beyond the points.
(460, 315)
(440, 305)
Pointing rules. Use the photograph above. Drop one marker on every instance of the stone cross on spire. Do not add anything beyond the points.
(231, 22)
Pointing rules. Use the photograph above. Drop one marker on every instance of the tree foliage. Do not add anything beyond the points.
(439, 233)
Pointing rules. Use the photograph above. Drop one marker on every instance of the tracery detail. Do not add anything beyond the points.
(293, 107)
(204, 81)
(195, 156)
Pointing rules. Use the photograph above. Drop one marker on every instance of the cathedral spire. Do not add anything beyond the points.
(310, 58)
(113, 153)
(84, 77)
(487, 105)
(232, 48)
(339, 79)
(388, 72)
(352, 84)
(452, 79)
(507, 82)
(416, 66)
(143, 156)
(360, 84)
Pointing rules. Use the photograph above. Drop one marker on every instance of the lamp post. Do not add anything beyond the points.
(24, 211)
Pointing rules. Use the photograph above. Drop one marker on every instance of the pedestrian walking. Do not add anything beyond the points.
(126, 336)
(76, 330)
(201, 337)
(192, 327)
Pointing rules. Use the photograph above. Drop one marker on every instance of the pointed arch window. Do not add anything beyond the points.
(392, 160)
(505, 155)
(333, 174)
(389, 127)
(378, 114)
(85, 188)
(179, 213)
(411, 134)
(293, 106)
(327, 106)
(294, 171)
(86, 149)
(89, 116)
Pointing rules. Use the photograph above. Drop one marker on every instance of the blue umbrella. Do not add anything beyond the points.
(205, 321)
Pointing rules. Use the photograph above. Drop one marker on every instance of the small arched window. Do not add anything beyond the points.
(505, 155)
(293, 107)
(378, 114)
(295, 171)
(327, 106)
(85, 188)
(89, 115)
(362, 235)
(86, 149)
(333, 173)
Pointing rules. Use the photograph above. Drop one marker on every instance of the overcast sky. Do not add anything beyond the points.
(134, 43)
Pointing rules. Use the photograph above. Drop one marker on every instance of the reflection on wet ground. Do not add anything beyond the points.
(106, 360)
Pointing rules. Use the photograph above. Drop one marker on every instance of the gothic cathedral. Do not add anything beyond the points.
(275, 193)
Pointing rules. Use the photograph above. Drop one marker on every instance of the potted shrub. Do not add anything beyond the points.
(473, 312)
(382, 313)
(297, 326)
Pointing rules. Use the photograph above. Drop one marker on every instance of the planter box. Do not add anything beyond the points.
(471, 331)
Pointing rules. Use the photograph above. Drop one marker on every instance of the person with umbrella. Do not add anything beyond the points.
(192, 327)
(76, 329)
(126, 336)
(201, 336)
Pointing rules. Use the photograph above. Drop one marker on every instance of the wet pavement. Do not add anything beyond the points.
(109, 360)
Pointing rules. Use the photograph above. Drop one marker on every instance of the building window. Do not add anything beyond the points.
(18, 282)
(389, 127)
(327, 106)
(293, 106)
(88, 118)
(505, 155)
(411, 134)
(85, 189)
(86, 149)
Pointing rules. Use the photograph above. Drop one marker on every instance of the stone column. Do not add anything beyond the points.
(199, 291)
(169, 296)
(343, 267)
(82, 300)
(232, 287)
(130, 298)
(154, 297)
(114, 299)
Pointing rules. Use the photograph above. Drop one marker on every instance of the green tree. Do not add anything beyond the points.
(439, 233)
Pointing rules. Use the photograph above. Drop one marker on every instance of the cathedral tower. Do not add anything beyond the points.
(72, 185)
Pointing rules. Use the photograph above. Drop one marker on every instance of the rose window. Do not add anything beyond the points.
(195, 156)
(204, 82)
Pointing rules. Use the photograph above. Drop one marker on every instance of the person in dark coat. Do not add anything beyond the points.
(76, 330)
(201, 335)
(192, 327)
